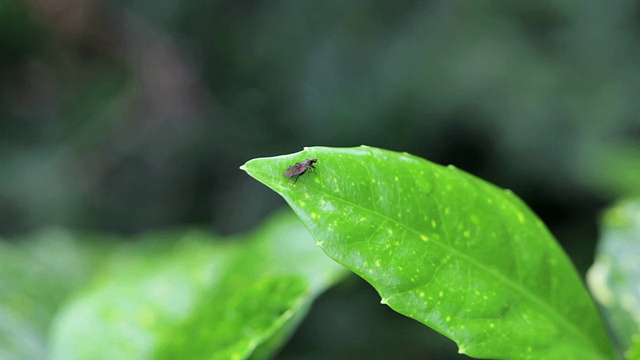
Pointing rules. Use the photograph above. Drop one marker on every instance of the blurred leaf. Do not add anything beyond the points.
(615, 169)
(634, 352)
(443, 247)
(197, 297)
(38, 274)
(614, 279)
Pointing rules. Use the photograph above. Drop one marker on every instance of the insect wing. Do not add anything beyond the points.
(294, 170)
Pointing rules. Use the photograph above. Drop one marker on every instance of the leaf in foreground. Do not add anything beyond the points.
(443, 247)
(38, 274)
(615, 276)
(190, 296)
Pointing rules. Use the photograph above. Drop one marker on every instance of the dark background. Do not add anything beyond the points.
(124, 117)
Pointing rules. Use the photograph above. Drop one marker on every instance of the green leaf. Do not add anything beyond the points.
(634, 351)
(190, 296)
(614, 278)
(613, 169)
(38, 274)
(456, 253)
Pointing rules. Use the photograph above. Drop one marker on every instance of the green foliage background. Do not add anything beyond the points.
(127, 117)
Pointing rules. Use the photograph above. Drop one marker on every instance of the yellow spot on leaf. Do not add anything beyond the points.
(433, 224)
(424, 238)
(314, 215)
(521, 218)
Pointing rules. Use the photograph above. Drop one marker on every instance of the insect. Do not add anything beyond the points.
(300, 168)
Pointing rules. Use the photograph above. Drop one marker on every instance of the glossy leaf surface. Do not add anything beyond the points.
(460, 255)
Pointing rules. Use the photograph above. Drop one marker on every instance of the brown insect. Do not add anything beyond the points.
(300, 168)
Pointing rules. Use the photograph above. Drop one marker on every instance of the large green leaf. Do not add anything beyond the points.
(460, 255)
(615, 276)
(190, 296)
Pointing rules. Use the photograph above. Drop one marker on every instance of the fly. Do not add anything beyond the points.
(300, 168)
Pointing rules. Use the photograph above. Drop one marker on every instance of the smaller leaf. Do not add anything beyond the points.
(191, 296)
(39, 272)
(634, 351)
(614, 278)
(613, 169)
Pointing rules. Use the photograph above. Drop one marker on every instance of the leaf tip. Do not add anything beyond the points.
(243, 167)
(384, 301)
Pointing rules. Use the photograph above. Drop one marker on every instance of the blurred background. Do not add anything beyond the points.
(121, 117)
